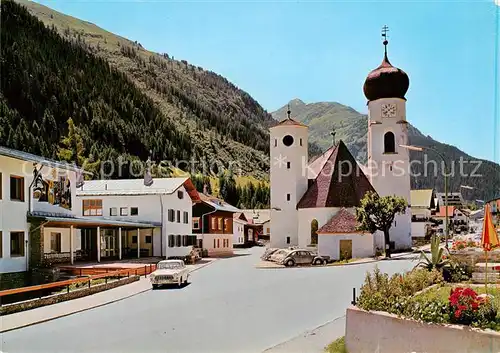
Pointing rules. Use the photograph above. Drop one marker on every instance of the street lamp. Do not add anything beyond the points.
(421, 149)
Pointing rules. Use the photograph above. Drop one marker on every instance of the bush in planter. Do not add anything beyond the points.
(457, 272)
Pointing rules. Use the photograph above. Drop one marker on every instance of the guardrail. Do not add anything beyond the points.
(139, 271)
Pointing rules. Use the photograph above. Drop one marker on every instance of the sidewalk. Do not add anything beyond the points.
(313, 341)
(51, 312)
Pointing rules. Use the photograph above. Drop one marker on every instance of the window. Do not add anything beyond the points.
(191, 240)
(215, 243)
(389, 142)
(184, 240)
(148, 239)
(170, 240)
(226, 225)
(288, 240)
(92, 207)
(180, 194)
(196, 222)
(123, 211)
(300, 142)
(1, 242)
(55, 242)
(113, 211)
(267, 230)
(134, 211)
(220, 223)
(275, 142)
(178, 240)
(218, 243)
(178, 216)
(16, 188)
(16, 244)
(186, 217)
(287, 165)
(214, 223)
(134, 239)
(288, 140)
(171, 215)
(288, 197)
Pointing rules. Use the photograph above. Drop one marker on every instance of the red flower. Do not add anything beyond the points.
(458, 313)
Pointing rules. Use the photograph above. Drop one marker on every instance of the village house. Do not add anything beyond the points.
(259, 224)
(166, 204)
(213, 225)
(39, 222)
(423, 205)
(239, 234)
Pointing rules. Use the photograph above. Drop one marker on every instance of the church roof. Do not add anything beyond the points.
(289, 121)
(341, 223)
(339, 183)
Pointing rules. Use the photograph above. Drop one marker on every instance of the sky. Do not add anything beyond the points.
(323, 50)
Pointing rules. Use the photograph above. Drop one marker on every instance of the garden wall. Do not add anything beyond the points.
(383, 332)
(472, 257)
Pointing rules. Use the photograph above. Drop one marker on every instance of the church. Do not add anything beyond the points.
(313, 202)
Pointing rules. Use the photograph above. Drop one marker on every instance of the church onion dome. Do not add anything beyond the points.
(386, 81)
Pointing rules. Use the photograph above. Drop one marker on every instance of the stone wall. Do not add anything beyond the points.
(13, 280)
(57, 298)
(474, 256)
(368, 332)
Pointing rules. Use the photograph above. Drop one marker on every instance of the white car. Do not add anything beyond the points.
(168, 272)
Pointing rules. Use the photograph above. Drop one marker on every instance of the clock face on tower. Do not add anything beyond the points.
(388, 110)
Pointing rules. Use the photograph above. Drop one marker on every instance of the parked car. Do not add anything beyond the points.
(278, 254)
(169, 272)
(302, 257)
(267, 254)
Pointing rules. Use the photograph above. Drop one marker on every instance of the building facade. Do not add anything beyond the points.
(166, 204)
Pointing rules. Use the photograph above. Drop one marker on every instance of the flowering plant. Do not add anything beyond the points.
(465, 305)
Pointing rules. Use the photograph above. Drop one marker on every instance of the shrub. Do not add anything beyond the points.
(467, 308)
(457, 272)
(379, 292)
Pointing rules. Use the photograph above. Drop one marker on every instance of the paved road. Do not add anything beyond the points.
(230, 306)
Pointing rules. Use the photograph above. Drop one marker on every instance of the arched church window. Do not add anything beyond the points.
(389, 142)
(288, 140)
(314, 232)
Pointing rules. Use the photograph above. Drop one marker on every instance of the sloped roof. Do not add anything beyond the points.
(341, 223)
(340, 183)
(217, 204)
(421, 198)
(25, 156)
(289, 121)
(240, 216)
(136, 187)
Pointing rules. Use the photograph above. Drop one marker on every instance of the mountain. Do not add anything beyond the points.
(352, 127)
(125, 101)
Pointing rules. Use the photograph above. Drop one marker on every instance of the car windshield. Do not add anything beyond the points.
(169, 266)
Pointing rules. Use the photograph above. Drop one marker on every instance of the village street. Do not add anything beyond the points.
(230, 306)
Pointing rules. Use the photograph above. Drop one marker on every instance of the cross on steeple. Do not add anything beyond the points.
(288, 112)
(385, 29)
(333, 133)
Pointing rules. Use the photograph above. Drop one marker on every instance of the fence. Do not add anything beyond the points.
(43, 288)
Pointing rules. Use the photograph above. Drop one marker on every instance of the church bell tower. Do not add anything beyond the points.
(388, 162)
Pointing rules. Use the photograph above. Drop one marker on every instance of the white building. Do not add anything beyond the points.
(239, 223)
(166, 204)
(39, 223)
(306, 196)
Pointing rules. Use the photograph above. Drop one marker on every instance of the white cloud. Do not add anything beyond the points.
(497, 2)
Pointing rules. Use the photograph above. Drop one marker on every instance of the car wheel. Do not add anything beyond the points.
(155, 286)
(290, 263)
(318, 262)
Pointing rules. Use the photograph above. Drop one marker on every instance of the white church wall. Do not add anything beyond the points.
(306, 216)
(329, 245)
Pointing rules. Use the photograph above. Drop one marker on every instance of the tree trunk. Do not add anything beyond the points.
(387, 241)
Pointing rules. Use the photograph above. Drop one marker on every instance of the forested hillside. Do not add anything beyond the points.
(124, 100)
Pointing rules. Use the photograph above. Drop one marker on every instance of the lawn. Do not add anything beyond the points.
(337, 346)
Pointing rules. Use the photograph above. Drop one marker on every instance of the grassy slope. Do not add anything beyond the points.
(108, 46)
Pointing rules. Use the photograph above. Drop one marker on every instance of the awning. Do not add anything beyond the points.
(85, 222)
